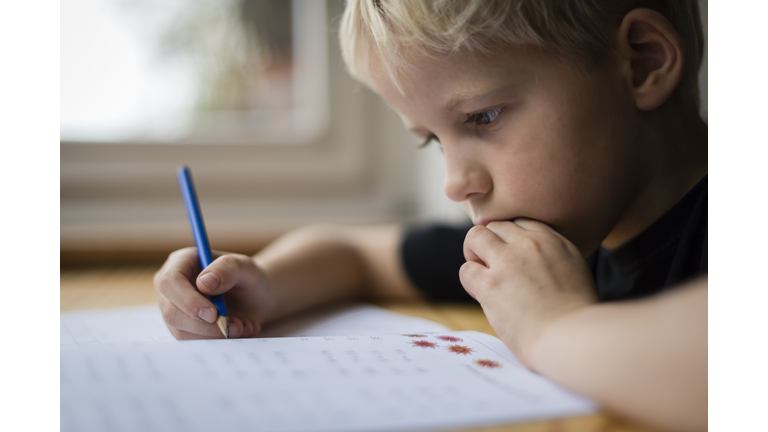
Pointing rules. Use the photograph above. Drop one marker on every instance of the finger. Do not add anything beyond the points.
(251, 328)
(247, 328)
(226, 272)
(173, 283)
(185, 335)
(534, 225)
(178, 321)
(512, 232)
(235, 327)
(505, 230)
(481, 244)
(469, 273)
(184, 261)
(471, 256)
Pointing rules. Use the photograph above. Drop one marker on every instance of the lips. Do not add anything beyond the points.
(483, 222)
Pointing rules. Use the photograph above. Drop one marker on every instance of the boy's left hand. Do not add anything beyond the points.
(525, 276)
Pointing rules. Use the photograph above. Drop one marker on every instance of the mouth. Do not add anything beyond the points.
(483, 222)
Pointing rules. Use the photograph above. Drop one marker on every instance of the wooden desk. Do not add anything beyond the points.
(131, 285)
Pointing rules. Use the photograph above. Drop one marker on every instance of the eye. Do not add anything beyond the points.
(484, 118)
(429, 139)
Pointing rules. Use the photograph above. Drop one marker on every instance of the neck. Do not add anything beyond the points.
(675, 149)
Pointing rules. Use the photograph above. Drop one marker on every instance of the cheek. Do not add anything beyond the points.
(539, 169)
(556, 172)
(568, 162)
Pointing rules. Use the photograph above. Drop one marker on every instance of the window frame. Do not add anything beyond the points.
(123, 196)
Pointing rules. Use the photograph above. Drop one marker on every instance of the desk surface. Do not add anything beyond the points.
(124, 285)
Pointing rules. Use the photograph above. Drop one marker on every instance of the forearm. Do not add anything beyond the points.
(321, 264)
(643, 359)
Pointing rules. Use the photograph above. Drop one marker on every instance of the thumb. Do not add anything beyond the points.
(227, 272)
(208, 282)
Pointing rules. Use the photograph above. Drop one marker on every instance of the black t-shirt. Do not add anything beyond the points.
(669, 252)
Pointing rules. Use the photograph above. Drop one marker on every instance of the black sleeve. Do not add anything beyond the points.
(432, 256)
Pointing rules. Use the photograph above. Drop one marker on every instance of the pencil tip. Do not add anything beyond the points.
(223, 323)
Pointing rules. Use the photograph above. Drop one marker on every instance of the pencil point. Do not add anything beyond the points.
(223, 323)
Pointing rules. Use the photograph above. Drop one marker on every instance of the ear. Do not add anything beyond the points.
(651, 56)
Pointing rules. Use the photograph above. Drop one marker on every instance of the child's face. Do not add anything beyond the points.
(523, 136)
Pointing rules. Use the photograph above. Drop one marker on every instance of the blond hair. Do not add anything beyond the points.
(581, 32)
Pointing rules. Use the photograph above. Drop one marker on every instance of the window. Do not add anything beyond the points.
(320, 148)
(200, 72)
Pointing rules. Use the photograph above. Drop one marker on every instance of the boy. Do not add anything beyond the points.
(570, 130)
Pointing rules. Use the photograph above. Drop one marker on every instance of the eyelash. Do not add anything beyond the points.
(429, 139)
(478, 119)
(482, 119)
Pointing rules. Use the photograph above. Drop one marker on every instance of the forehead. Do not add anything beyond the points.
(442, 83)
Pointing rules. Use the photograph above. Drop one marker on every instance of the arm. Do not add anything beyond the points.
(644, 359)
(303, 269)
(321, 263)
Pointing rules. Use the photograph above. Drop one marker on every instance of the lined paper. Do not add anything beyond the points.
(352, 368)
(332, 383)
(144, 324)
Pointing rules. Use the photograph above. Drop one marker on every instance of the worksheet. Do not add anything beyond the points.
(144, 324)
(375, 382)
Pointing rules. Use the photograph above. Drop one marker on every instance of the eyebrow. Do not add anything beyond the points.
(462, 98)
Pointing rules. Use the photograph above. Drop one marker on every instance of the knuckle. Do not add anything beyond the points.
(467, 273)
(203, 329)
(233, 264)
(572, 249)
(179, 253)
(239, 262)
(157, 280)
(162, 279)
(464, 272)
(168, 311)
(228, 262)
(545, 237)
(174, 254)
(244, 260)
(474, 232)
(492, 282)
(529, 244)
(494, 224)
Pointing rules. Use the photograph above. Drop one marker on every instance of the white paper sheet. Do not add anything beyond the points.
(385, 382)
(369, 370)
(144, 324)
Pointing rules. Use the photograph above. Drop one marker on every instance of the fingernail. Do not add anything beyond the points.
(210, 280)
(207, 315)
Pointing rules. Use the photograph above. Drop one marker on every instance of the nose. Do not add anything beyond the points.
(464, 177)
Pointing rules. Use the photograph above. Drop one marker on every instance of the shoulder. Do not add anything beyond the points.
(432, 255)
(673, 250)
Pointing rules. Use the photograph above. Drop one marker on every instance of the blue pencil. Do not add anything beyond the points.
(201, 240)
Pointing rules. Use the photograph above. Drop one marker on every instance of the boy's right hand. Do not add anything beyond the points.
(190, 315)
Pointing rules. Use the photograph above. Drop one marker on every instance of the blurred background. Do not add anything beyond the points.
(253, 96)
